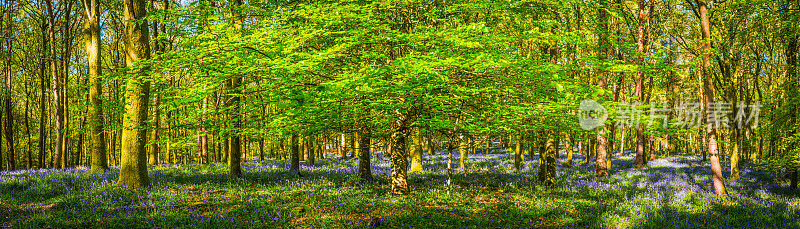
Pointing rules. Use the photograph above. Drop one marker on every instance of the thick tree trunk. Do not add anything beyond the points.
(363, 145)
(133, 164)
(398, 156)
(416, 152)
(541, 174)
(463, 153)
(551, 152)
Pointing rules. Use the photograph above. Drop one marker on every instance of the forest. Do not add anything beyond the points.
(399, 114)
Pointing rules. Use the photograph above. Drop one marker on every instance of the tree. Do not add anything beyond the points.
(640, 157)
(58, 152)
(416, 152)
(363, 145)
(92, 38)
(708, 97)
(234, 159)
(601, 167)
(9, 123)
(133, 164)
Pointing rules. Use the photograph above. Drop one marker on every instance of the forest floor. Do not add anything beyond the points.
(673, 191)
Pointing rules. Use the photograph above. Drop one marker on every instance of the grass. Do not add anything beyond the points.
(669, 192)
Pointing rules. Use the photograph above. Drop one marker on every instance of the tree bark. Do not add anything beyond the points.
(708, 96)
(551, 151)
(9, 127)
(416, 152)
(58, 151)
(92, 40)
(601, 169)
(295, 152)
(43, 95)
(363, 145)
(133, 163)
(398, 155)
(519, 157)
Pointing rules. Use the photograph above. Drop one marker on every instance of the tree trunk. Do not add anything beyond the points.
(204, 132)
(570, 144)
(363, 145)
(342, 150)
(234, 159)
(58, 151)
(398, 156)
(43, 97)
(9, 126)
(519, 157)
(708, 97)
(542, 161)
(600, 167)
(462, 152)
(92, 39)
(793, 177)
(294, 156)
(155, 146)
(133, 163)
(551, 151)
(416, 152)
(28, 152)
(310, 143)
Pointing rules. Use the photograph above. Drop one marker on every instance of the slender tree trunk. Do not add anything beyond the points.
(43, 95)
(66, 53)
(570, 144)
(133, 164)
(519, 157)
(708, 96)
(261, 149)
(58, 151)
(311, 152)
(342, 150)
(295, 152)
(204, 131)
(155, 135)
(449, 166)
(462, 152)
(601, 168)
(29, 156)
(93, 41)
(9, 123)
(305, 149)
